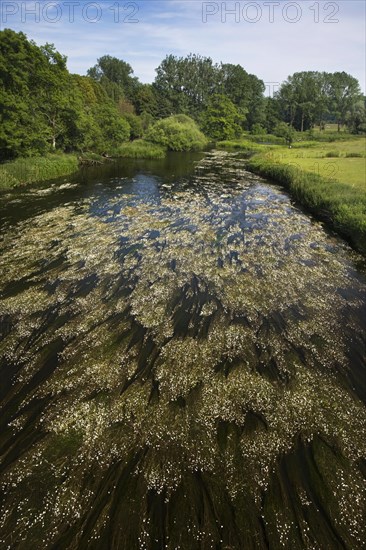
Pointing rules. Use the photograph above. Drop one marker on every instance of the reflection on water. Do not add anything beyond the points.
(182, 365)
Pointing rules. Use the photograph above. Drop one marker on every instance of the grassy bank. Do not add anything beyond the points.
(342, 205)
(242, 144)
(30, 170)
(328, 177)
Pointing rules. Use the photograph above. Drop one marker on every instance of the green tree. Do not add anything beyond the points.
(22, 130)
(356, 117)
(285, 131)
(344, 94)
(245, 91)
(115, 75)
(222, 119)
(186, 84)
(115, 129)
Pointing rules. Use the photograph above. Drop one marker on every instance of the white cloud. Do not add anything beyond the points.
(272, 51)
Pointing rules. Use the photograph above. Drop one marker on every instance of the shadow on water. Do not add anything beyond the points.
(182, 364)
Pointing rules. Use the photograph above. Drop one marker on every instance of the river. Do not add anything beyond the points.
(182, 364)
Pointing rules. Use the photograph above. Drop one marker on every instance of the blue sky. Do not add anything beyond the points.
(271, 39)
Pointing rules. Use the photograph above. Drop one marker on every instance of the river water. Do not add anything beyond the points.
(182, 364)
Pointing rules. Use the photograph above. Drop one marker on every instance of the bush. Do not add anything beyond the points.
(222, 119)
(258, 130)
(177, 133)
(285, 131)
(354, 155)
(135, 125)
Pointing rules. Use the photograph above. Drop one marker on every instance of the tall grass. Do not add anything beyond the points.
(340, 204)
(141, 149)
(241, 145)
(31, 170)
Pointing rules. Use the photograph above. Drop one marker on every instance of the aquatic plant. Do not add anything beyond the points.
(172, 361)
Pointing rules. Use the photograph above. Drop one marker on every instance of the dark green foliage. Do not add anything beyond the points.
(115, 130)
(308, 98)
(43, 108)
(136, 127)
(186, 85)
(258, 130)
(285, 131)
(115, 76)
(177, 133)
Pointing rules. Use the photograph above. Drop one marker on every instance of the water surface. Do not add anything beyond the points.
(182, 364)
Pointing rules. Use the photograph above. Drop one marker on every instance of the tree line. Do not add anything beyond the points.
(45, 108)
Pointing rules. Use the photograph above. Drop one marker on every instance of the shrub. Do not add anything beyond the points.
(258, 130)
(177, 133)
(222, 119)
(135, 125)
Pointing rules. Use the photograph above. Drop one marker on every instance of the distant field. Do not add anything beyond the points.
(341, 161)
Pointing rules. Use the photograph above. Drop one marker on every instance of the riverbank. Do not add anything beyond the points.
(23, 171)
(327, 178)
(341, 205)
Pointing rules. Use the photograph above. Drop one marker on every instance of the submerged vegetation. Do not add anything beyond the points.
(177, 370)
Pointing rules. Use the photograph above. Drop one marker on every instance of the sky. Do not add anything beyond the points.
(271, 39)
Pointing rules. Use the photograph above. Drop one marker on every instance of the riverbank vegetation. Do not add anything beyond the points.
(46, 109)
(328, 178)
(29, 170)
(177, 133)
(142, 149)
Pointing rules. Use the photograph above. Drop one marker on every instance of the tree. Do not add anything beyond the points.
(115, 129)
(285, 131)
(222, 119)
(344, 93)
(245, 91)
(115, 75)
(145, 100)
(356, 117)
(186, 84)
(22, 130)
